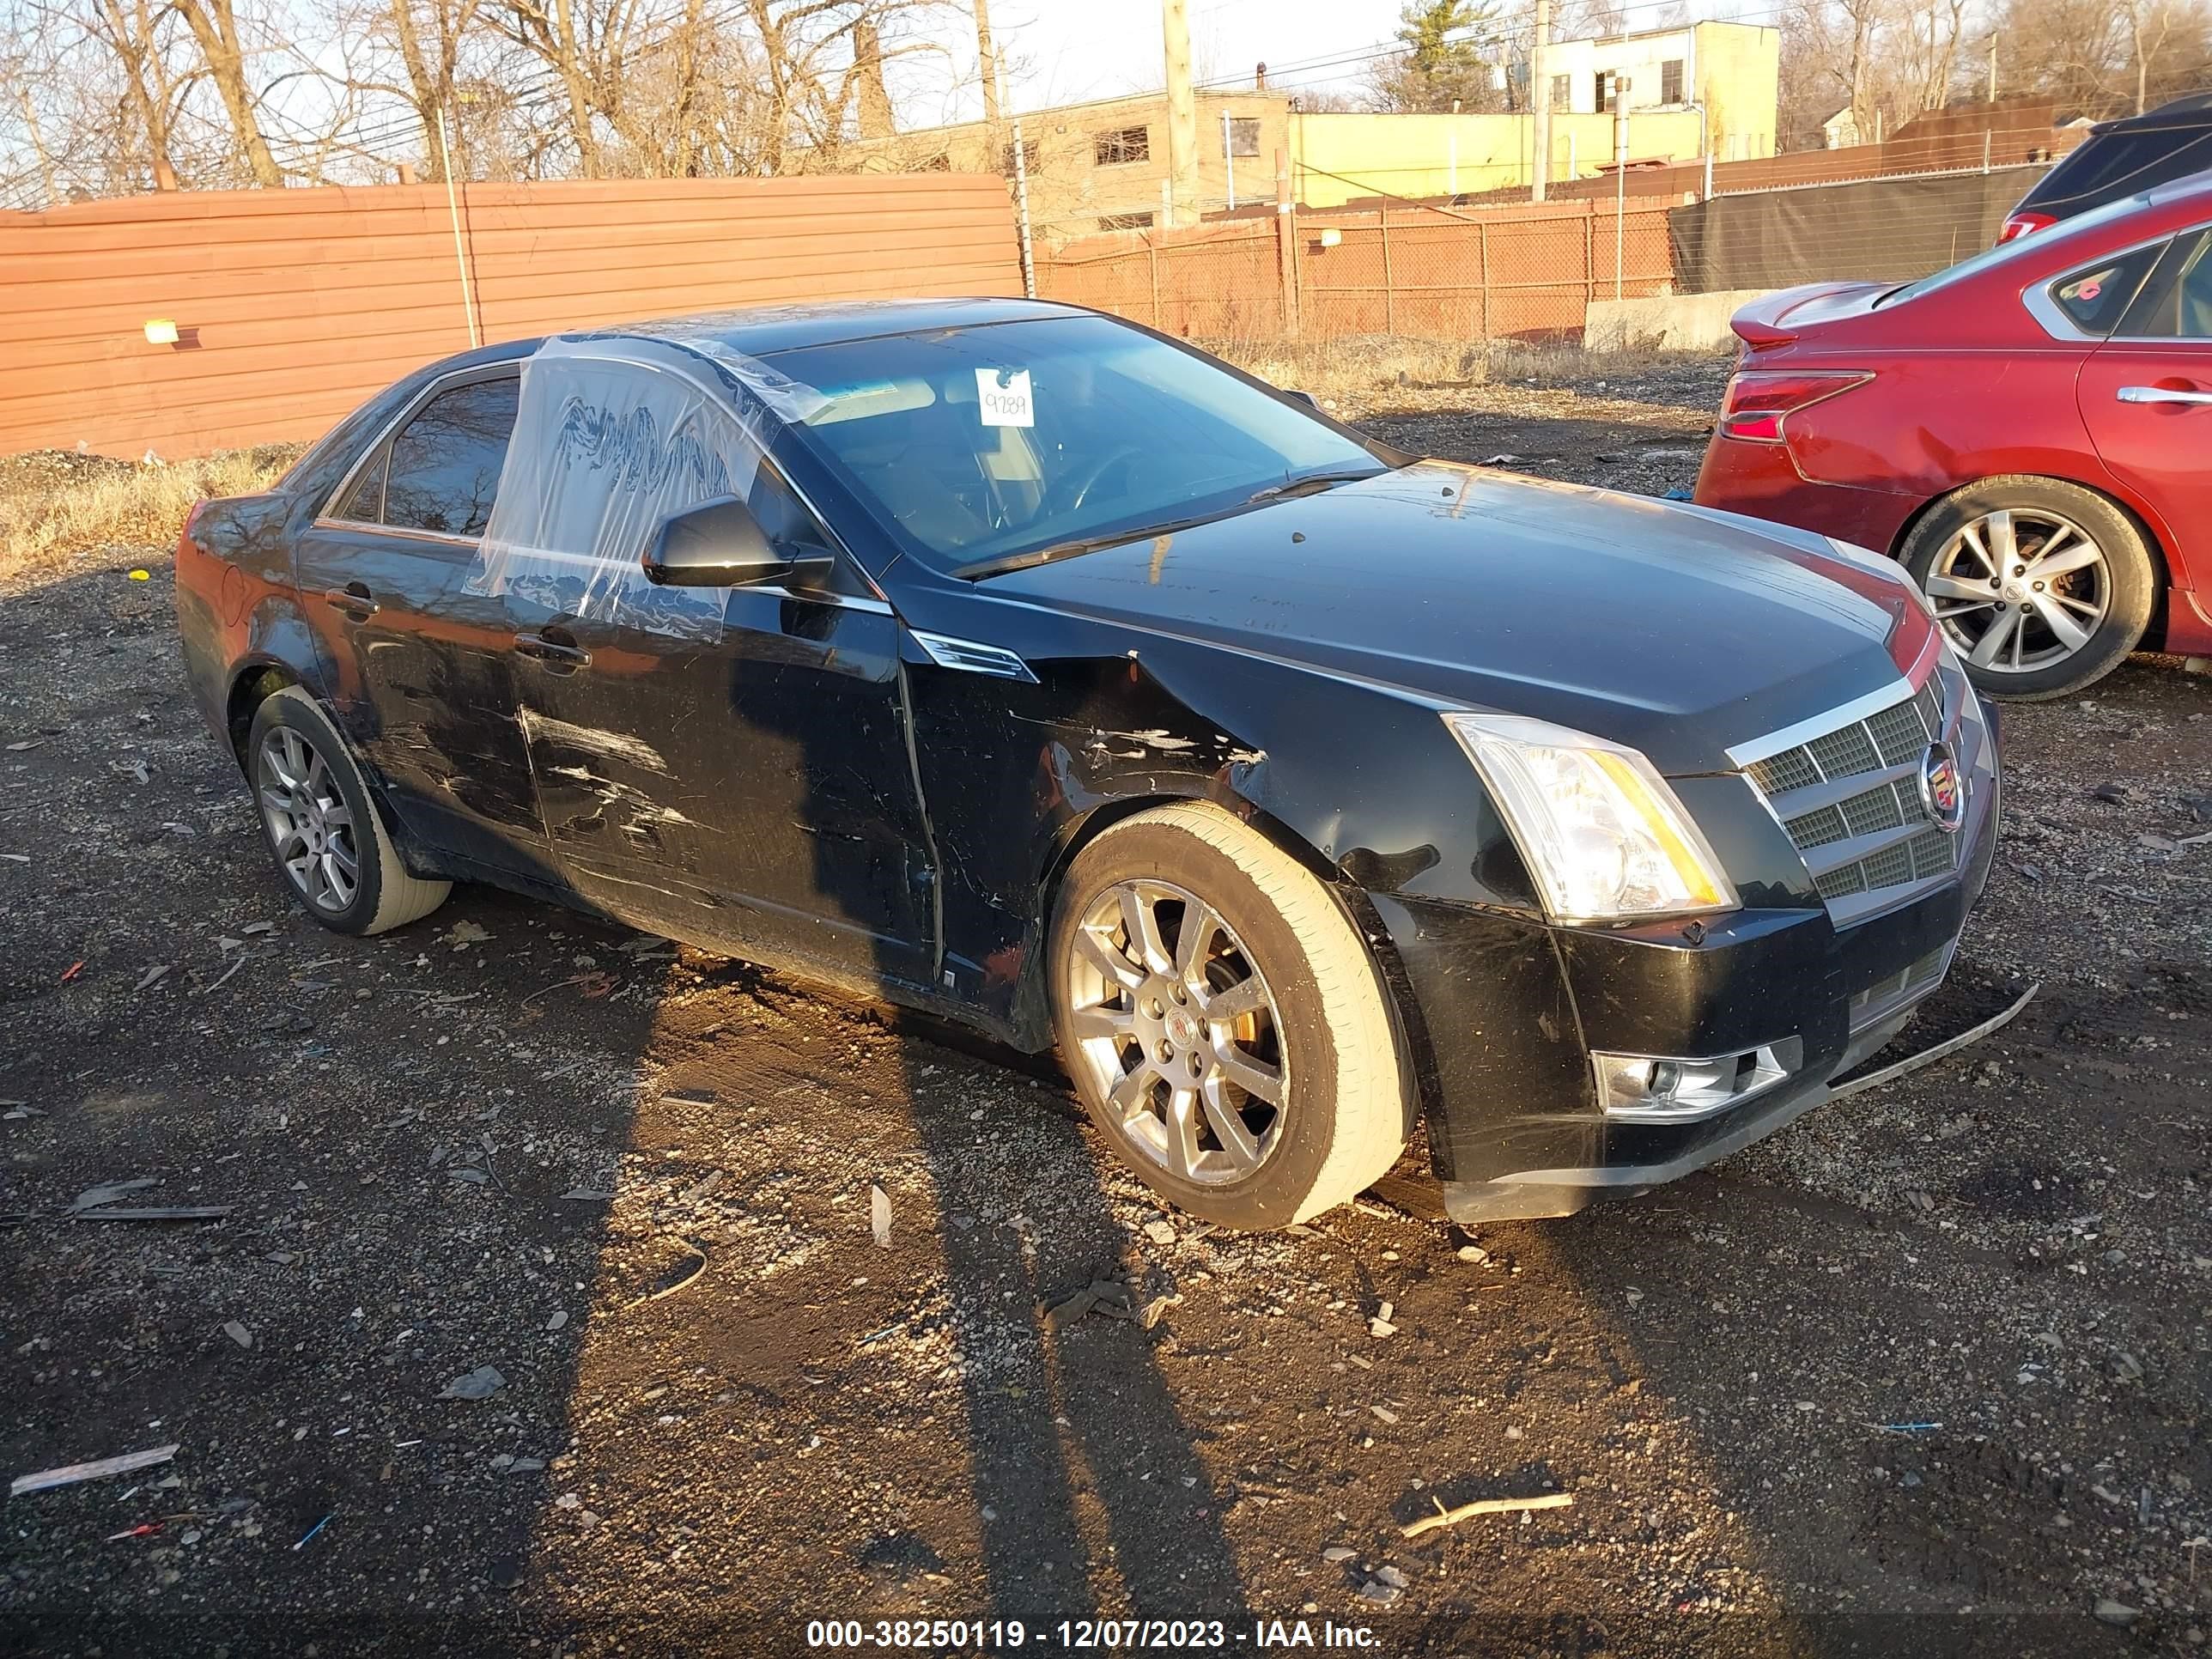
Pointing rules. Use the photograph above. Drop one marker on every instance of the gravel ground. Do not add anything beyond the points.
(1928, 1372)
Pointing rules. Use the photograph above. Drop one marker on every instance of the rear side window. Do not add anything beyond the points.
(364, 502)
(2121, 164)
(2094, 299)
(2176, 302)
(445, 463)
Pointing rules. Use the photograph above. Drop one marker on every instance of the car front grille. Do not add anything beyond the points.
(1849, 801)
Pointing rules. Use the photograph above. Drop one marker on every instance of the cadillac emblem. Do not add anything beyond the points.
(1942, 791)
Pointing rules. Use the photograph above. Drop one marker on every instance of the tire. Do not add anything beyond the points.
(1318, 1030)
(2109, 603)
(326, 813)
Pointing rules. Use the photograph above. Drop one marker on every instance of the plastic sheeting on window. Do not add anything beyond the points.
(614, 434)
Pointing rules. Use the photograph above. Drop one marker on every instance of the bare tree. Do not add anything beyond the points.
(2095, 59)
(113, 95)
(431, 36)
(214, 24)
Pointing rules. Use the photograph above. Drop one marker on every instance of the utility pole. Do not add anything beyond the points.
(1022, 213)
(1182, 113)
(1620, 179)
(460, 245)
(1540, 102)
(1993, 66)
(989, 62)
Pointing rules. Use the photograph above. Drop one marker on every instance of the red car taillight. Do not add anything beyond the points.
(2025, 224)
(1758, 398)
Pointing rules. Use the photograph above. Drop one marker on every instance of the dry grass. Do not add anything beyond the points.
(1350, 368)
(56, 507)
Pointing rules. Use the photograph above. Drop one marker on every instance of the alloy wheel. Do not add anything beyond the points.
(309, 823)
(1171, 1017)
(2019, 589)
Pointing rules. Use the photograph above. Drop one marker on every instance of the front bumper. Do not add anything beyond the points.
(1510, 1009)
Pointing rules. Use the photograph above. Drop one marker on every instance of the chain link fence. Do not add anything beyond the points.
(1526, 272)
(1432, 273)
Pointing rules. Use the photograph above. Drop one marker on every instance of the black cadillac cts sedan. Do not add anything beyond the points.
(1015, 663)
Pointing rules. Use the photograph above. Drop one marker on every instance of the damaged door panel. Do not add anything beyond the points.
(418, 667)
(691, 787)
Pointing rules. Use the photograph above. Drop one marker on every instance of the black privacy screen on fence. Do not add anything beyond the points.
(1877, 230)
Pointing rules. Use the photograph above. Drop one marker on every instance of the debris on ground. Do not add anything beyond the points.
(1111, 1298)
(108, 1192)
(238, 1333)
(879, 1215)
(1452, 1518)
(69, 1474)
(687, 1274)
(479, 1384)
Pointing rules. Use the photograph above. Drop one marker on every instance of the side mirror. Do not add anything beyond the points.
(1305, 398)
(717, 544)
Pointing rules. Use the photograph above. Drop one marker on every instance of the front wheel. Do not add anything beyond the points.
(321, 827)
(1224, 1021)
(2044, 586)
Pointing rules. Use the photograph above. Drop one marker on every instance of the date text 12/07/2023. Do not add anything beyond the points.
(1084, 1634)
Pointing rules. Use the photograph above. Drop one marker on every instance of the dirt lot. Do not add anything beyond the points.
(1928, 1372)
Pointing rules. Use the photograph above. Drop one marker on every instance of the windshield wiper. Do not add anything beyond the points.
(1319, 478)
(1297, 484)
(1000, 564)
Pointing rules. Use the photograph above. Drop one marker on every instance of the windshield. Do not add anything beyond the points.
(988, 443)
(2021, 247)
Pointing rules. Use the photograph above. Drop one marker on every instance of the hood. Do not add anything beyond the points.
(1677, 629)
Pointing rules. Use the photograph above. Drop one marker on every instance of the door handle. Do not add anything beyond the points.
(353, 599)
(551, 650)
(2161, 394)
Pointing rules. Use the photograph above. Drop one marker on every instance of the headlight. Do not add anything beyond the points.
(1867, 559)
(1599, 829)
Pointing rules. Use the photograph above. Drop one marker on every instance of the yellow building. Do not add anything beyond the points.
(1355, 157)
(1702, 88)
(1731, 72)
(1104, 166)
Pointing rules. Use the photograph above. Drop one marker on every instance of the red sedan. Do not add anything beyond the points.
(2029, 432)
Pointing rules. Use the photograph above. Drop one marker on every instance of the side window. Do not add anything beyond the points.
(2192, 312)
(445, 463)
(2094, 299)
(2177, 303)
(364, 502)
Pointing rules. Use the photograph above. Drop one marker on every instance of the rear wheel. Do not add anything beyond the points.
(1224, 1021)
(2044, 586)
(321, 826)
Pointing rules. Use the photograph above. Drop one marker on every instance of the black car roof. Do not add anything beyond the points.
(757, 331)
(2193, 110)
